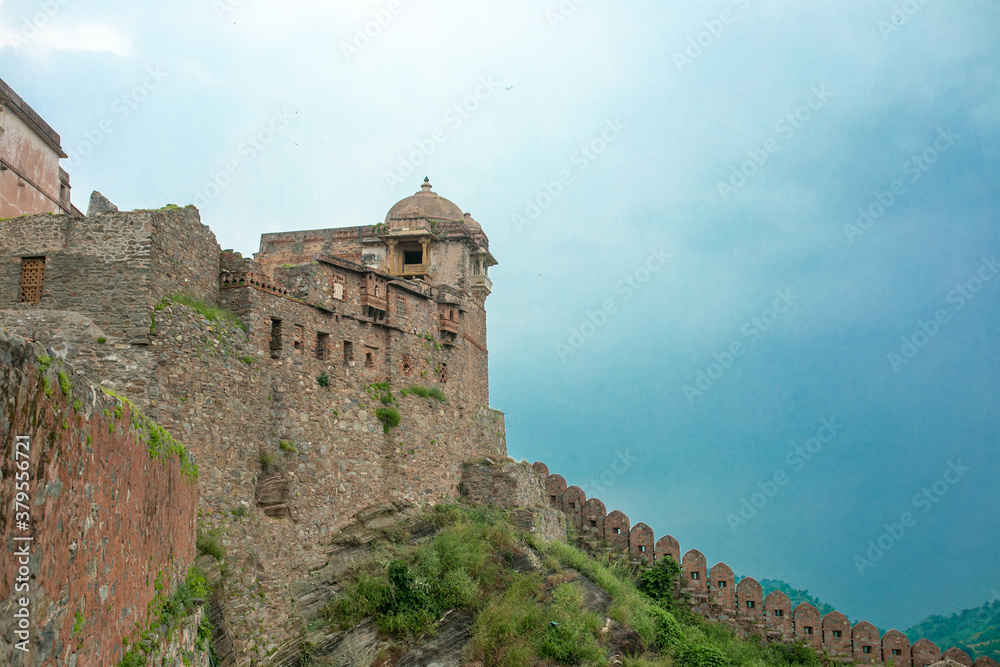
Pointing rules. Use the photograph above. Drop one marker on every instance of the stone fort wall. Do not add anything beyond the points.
(716, 594)
(285, 461)
(109, 524)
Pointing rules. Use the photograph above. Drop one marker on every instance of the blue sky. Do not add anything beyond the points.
(658, 181)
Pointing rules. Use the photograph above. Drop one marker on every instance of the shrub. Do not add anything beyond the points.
(240, 512)
(668, 631)
(701, 655)
(102, 340)
(660, 581)
(389, 417)
(323, 379)
(288, 446)
(247, 359)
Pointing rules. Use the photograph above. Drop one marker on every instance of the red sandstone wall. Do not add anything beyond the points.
(105, 517)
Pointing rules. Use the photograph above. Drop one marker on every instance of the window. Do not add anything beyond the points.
(400, 307)
(593, 523)
(866, 649)
(554, 499)
(348, 352)
(808, 629)
(339, 286)
(407, 365)
(413, 257)
(618, 531)
(32, 278)
(369, 360)
(837, 634)
(275, 338)
(299, 334)
(722, 584)
(751, 604)
(897, 651)
(322, 346)
(642, 549)
(779, 613)
(443, 373)
(572, 506)
(694, 575)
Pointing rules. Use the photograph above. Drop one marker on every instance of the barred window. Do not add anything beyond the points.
(400, 306)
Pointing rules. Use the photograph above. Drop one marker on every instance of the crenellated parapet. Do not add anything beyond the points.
(715, 594)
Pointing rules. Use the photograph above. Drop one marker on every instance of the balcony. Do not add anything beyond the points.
(481, 282)
(445, 324)
(415, 270)
(376, 302)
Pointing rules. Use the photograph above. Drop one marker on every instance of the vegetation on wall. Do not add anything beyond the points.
(526, 614)
(159, 443)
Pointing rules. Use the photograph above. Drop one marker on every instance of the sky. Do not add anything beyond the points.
(748, 286)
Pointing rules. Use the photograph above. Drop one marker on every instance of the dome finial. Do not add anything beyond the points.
(426, 187)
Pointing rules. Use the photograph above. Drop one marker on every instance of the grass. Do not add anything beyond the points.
(208, 543)
(288, 446)
(267, 461)
(424, 392)
(211, 313)
(101, 340)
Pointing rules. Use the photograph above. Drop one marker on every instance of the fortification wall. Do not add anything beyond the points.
(716, 596)
(112, 268)
(105, 519)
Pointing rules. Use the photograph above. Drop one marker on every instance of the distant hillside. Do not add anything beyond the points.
(975, 631)
(796, 595)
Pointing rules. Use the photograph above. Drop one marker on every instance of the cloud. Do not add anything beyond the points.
(38, 34)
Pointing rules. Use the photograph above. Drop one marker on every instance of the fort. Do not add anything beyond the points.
(176, 391)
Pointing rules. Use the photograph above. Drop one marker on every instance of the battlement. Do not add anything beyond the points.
(716, 595)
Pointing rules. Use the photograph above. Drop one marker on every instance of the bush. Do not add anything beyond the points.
(660, 581)
(101, 340)
(389, 417)
(668, 631)
(323, 379)
(288, 446)
(701, 655)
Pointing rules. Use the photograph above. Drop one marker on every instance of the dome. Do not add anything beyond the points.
(425, 204)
